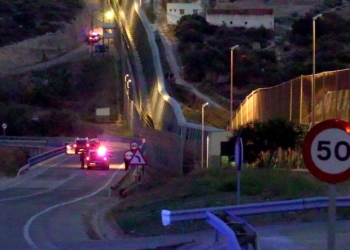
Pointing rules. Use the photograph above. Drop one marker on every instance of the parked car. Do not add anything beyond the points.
(81, 145)
(94, 37)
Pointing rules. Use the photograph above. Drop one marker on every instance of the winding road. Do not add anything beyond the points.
(45, 207)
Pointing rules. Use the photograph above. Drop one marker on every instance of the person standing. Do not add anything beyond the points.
(82, 159)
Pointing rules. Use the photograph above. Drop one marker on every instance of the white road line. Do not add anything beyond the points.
(15, 184)
(30, 221)
(45, 191)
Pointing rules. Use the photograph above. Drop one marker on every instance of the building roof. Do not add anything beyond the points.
(256, 12)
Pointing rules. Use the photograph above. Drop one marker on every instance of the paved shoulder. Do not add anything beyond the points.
(303, 236)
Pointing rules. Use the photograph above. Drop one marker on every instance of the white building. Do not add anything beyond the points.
(176, 10)
(247, 18)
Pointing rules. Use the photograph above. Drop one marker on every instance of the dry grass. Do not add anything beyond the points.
(139, 214)
(15, 159)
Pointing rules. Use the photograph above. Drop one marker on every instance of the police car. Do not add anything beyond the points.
(98, 158)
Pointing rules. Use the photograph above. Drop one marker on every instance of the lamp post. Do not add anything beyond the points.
(128, 88)
(313, 68)
(202, 153)
(109, 16)
(126, 77)
(127, 81)
(126, 94)
(208, 144)
(231, 86)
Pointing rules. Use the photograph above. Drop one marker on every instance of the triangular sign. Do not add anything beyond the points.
(138, 159)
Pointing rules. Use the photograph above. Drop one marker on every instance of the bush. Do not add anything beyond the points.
(14, 160)
(22, 20)
(55, 96)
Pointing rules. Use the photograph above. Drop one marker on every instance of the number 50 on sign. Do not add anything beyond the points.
(326, 151)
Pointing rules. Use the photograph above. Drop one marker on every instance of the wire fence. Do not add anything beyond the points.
(292, 100)
(148, 91)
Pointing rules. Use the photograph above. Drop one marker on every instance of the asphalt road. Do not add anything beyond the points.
(44, 208)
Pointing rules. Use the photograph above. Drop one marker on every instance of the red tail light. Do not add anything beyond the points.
(87, 158)
(75, 145)
(87, 145)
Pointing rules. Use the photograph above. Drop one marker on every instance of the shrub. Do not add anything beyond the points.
(14, 160)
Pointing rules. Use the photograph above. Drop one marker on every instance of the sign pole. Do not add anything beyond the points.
(332, 214)
(326, 153)
(238, 186)
(239, 162)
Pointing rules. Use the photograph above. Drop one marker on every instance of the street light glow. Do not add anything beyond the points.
(109, 14)
(317, 16)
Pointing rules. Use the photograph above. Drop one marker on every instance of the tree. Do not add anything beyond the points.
(267, 136)
(194, 65)
(253, 140)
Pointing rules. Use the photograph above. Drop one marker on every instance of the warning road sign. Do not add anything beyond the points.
(138, 159)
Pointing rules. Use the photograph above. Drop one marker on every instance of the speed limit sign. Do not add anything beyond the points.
(326, 151)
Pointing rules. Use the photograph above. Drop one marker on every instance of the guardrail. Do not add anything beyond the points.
(317, 203)
(223, 228)
(27, 141)
(39, 158)
(35, 138)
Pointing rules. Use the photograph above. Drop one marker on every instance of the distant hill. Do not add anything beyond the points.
(21, 20)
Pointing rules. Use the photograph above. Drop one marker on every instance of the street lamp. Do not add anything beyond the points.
(313, 68)
(231, 87)
(109, 15)
(202, 153)
(128, 87)
(128, 84)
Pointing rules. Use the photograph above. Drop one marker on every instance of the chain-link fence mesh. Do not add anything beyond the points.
(148, 90)
(292, 100)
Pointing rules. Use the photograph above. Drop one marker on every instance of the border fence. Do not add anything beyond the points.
(292, 100)
(135, 41)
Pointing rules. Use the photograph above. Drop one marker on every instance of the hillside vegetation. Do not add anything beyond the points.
(264, 57)
(59, 101)
(24, 19)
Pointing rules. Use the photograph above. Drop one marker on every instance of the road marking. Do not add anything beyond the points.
(30, 221)
(48, 190)
(15, 184)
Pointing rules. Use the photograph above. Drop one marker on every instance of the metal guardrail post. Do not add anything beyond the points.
(317, 203)
(221, 226)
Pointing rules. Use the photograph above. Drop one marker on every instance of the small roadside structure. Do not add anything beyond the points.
(176, 10)
(103, 114)
(246, 18)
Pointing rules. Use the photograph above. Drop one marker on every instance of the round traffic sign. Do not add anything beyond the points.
(128, 155)
(326, 151)
(134, 145)
(4, 125)
(239, 153)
